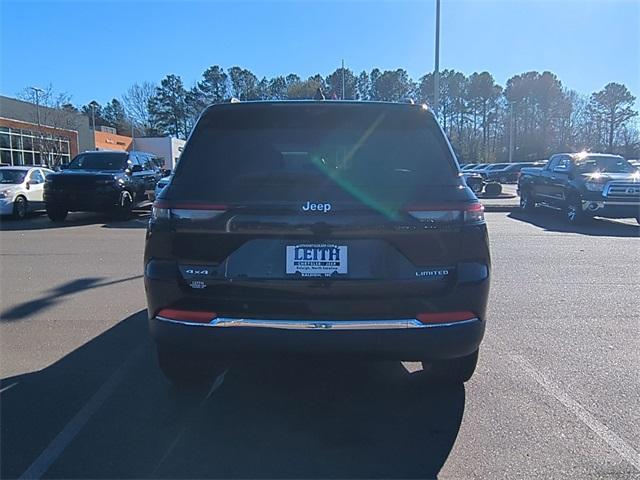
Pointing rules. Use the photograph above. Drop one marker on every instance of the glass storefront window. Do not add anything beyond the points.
(27, 143)
(16, 142)
(27, 147)
(18, 159)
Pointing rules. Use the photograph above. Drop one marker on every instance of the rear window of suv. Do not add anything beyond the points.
(288, 152)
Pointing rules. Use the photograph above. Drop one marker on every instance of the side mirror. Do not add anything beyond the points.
(136, 168)
(32, 182)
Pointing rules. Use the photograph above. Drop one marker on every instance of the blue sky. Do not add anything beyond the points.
(95, 49)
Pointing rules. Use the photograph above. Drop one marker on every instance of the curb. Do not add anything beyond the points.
(500, 208)
(502, 196)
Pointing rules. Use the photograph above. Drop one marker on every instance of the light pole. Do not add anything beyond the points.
(133, 134)
(342, 79)
(37, 92)
(511, 125)
(436, 73)
(93, 106)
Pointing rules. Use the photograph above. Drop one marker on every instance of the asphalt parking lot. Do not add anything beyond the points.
(556, 393)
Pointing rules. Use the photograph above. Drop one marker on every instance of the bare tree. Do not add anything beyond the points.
(53, 111)
(136, 104)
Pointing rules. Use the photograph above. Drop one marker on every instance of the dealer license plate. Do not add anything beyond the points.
(317, 260)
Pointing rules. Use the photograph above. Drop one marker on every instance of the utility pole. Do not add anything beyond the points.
(343, 79)
(436, 73)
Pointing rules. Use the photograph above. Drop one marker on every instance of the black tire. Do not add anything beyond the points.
(527, 203)
(20, 208)
(124, 208)
(57, 214)
(453, 371)
(493, 189)
(184, 369)
(477, 187)
(573, 214)
(504, 179)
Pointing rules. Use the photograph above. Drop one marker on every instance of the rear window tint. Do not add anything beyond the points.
(283, 152)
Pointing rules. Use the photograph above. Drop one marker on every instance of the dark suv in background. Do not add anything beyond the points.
(102, 181)
(331, 228)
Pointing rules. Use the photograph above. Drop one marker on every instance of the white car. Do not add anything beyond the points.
(21, 190)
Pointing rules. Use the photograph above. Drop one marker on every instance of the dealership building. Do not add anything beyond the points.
(166, 149)
(37, 135)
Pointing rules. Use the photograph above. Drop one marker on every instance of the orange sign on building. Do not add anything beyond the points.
(111, 141)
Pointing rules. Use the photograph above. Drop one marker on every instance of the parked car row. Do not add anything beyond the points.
(498, 172)
(99, 181)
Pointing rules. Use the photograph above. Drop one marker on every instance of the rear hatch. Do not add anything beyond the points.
(307, 202)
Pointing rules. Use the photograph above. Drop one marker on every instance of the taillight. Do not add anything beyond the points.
(473, 213)
(468, 213)
(187, 315)
(445, 317)
(186, 211)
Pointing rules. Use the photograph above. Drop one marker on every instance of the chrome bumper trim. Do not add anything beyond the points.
(390, 324)
(631, 204)
(603, 204)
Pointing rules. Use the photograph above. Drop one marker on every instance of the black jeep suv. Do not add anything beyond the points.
(317, 228)
(102, 181)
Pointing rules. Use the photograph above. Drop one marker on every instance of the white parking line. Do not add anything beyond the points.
(625, 450)
(4, 389)
(58, 445)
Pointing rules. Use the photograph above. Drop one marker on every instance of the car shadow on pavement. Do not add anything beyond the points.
(331, 419)
(554, 222)
(56, 295)
(289, 418)
(40, 221)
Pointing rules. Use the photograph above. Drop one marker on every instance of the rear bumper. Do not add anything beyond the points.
(381, 339)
